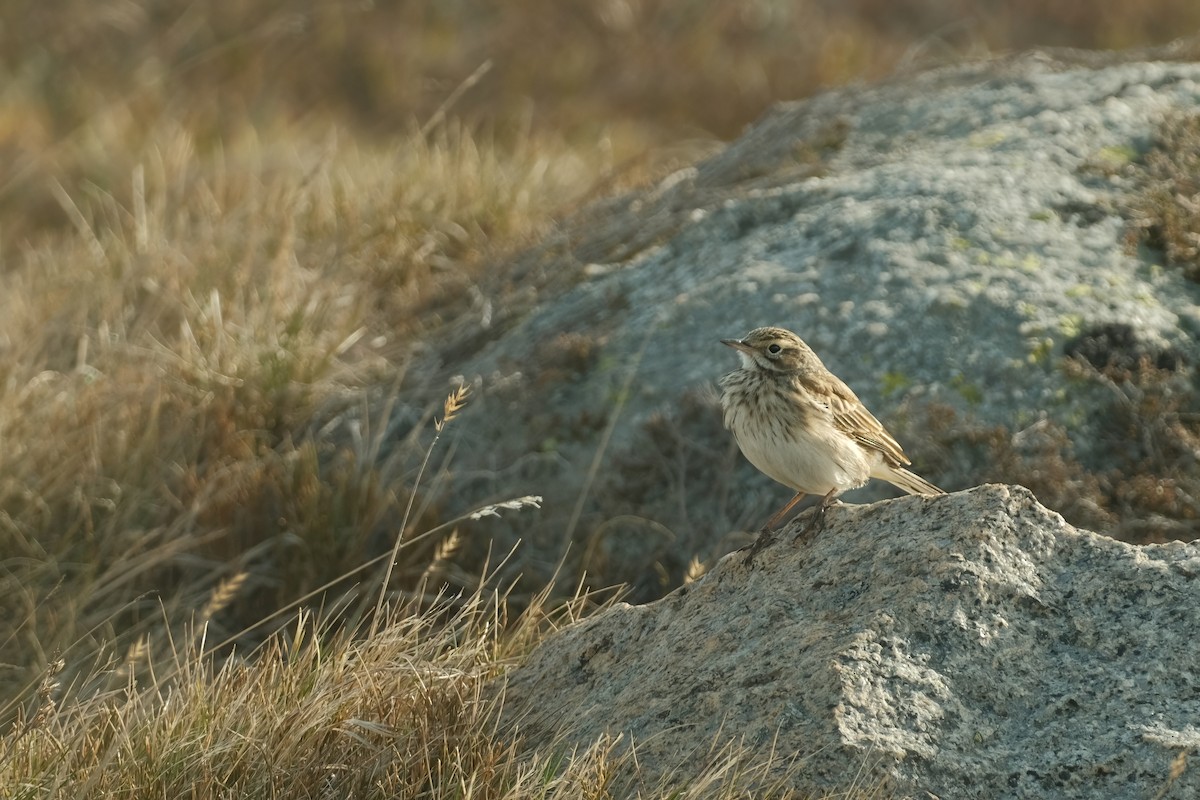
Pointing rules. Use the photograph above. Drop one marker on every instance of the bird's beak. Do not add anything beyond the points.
(738, 344)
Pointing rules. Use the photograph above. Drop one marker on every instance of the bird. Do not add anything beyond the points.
(800, 425)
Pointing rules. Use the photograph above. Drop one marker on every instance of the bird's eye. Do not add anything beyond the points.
(774, 349)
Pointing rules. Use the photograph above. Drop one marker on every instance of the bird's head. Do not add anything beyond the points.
(773, 349)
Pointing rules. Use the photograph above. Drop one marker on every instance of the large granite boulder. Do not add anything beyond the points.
(972, 645)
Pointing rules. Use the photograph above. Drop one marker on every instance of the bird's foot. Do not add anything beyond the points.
(765, 537)
(817, 522)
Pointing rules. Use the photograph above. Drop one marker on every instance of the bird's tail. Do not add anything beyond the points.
(910, 482)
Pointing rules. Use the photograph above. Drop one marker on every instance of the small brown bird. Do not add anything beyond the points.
(799, 424)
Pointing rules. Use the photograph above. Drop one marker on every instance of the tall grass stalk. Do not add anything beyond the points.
(453, 404)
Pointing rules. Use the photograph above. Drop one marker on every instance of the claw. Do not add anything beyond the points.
(765, 537)
(818, 519)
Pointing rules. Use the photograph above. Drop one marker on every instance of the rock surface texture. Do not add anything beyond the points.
(968, 646)
(939, 237)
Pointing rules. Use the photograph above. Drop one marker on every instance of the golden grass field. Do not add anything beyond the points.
(220, 224)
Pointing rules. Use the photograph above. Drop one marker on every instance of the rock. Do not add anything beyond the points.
(938, 237)
(972, 645)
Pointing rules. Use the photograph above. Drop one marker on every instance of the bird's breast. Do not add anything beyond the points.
(788, 436)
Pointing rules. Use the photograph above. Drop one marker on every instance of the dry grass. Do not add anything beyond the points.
(398, 715)
(316, 713)
(221, 225)
(1167, 216)
(164, 357)
(1139, 481)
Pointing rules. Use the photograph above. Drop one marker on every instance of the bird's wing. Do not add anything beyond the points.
(853, 418)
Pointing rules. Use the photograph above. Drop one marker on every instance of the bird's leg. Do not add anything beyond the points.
(783, 512)
(818, 518)
(767, 535)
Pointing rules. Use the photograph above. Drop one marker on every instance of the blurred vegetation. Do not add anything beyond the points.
(616, 78)
(1167, 219)
(224, 223)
